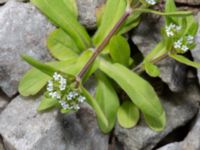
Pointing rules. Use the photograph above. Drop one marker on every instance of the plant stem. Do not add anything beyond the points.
(139, 68)
(98, 50)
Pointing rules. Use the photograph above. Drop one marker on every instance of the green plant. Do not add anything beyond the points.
(107, 56)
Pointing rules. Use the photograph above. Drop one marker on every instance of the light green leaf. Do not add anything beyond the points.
(99, 112)
(34, 80)
(49, 70)
(108, 101)
(71, 6)
(61, 46)
(151, 69)
(63, 17)
(128, 115)
(47, 103)
(185, 61)
(119, 50)
(113, 11)
(170, 6)
(140, 91)
(192, 26)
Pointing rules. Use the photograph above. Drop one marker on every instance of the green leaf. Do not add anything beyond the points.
(61, 45)
(128, 115)
(151, 69)
(93, 103)
(71, 6)
(140, 91)
(47, 103)
(192, 26)
(170, 6)
(34, 80)
(113, 11)
(63, 17)
(108, 101)
(119, 50)
(42, 67)
(185, 61)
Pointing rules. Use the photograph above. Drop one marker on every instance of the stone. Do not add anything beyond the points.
(189, 2)
(196, 51)
(4, 1)
(146, 36)
(23, 128)
(87, 12)
(23, 31)
(191, 142)
(4, 100)
(180, 109)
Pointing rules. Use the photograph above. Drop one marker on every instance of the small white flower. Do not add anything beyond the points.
(178, 44)
(172, 29)
(169, 31)
(76, 107)
(151, 2)
(178, 28)
(184, 48)
(50, 86)
(190, 39)
(64, 104)
(81, 99)
(63, 83)
(56, 76)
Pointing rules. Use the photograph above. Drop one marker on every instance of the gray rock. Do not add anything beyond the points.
(87, 12)
(189, 2)
(22, 128)
(23, 31)
(180, 108)
(191, 142)
(4, 1)
(146, 36)
(3, 101)
(196, 51)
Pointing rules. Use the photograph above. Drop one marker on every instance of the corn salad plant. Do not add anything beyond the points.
(106, 55)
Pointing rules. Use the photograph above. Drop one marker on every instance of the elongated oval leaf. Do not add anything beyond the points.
(47, 103)
(128, 115)
(61, 45)
(151, 69)
(113, 11)
(34, 80)
(99, 112)
(63, 17)
(108, 101)
(140, 91)
(119, 50)
(185, 61)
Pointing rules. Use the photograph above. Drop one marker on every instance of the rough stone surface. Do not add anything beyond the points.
(22, 128)
(146, 36)
(191, 142)
(3, 101)
(196, 51)
(180, 108)
(23, 31)
(87, 12)
(4, 1)
(189, 2)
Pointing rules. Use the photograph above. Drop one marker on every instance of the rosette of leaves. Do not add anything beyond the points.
(72, 47)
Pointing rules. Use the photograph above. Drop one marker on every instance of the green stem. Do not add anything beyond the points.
(139, 69)
(177, 13)
(102, 46)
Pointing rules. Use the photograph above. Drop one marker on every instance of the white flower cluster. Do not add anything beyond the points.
(172, 29)
(151, 2)
(57, 89)
(183, 44)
